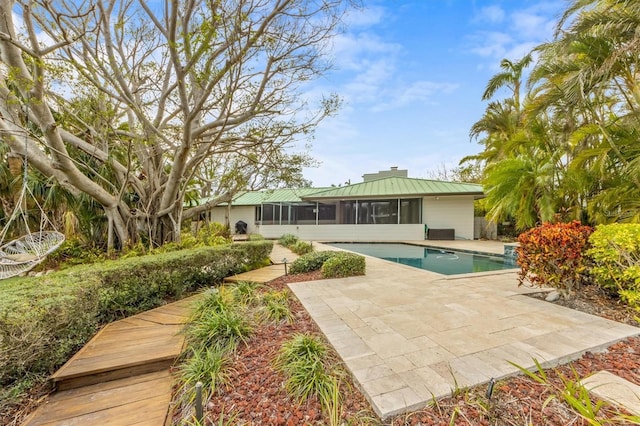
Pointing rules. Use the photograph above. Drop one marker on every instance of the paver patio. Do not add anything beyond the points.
(409, 335)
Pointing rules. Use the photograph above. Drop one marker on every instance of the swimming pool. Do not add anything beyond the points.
(442, 261)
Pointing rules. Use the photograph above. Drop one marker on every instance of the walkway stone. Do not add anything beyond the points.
(408, 335)
(614, 389)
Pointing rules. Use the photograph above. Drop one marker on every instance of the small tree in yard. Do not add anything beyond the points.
(552, 255)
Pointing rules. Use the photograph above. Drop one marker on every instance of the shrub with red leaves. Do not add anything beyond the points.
(552, 255)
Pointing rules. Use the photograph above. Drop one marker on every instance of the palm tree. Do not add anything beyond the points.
(510, 77)
(591, 70)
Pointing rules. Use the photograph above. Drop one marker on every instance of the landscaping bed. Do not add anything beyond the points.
(255, 393)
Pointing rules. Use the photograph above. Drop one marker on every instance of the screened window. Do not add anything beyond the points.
(410, 211)
(326, 213)
(303, 213)
(347, 212)
(271, 214)
(378, 211)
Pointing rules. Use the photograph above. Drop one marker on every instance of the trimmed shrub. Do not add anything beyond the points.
(301, 247)
(46, 319)
(136, 284)
(287, 240)
(343, 264)
(615, 259)
(552, 255)
(310, 262)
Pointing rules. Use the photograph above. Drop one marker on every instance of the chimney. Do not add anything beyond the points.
(393, 171)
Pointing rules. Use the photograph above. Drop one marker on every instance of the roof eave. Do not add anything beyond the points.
(372, 196)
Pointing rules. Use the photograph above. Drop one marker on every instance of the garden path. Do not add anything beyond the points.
(121, 376)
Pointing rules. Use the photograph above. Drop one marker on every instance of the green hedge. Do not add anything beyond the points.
(44, 320)
(615, 259)
(343, 264)
(310, 262)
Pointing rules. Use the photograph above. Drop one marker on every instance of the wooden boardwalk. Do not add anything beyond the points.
(121, 377)
(268, 273)
(139, 400)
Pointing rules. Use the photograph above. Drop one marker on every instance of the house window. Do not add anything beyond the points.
(410, 210)
(326, 213)
(271, 214)
(378, 211)
(347, 212)
(303, 214)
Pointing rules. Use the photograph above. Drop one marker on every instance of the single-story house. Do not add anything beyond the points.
(387, 206)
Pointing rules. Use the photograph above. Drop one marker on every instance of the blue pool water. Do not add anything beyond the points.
(445, 262)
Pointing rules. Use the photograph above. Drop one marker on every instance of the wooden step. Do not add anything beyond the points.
(139, 400)
(144, 343)
(261, 275)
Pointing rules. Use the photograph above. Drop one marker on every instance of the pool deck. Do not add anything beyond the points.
(409, 335)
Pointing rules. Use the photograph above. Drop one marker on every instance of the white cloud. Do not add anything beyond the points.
(525, 28)
(370, 71)
(419, 92)
(352, 51)
(490, 14)
(364, 16)
(529, 25)
(491, 44)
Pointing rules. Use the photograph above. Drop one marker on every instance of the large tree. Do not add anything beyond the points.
(570, 146)
(136, 105)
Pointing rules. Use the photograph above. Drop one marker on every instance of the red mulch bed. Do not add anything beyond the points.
(255, 393)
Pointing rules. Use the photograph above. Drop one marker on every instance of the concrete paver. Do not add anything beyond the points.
(409, 335)
(614, 389)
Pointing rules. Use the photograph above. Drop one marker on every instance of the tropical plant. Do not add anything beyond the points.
(287, 240)
(303, 359)
(226, 328)
(569, 145)
(552, 255)
(615, 259)
(301, 247)
(207, 365)
(276, 306)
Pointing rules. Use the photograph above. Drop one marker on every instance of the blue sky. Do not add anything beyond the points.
(411, 75)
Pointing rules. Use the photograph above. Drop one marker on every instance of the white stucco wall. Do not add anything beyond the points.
(346, 233)
(246, 214)
(450, 212)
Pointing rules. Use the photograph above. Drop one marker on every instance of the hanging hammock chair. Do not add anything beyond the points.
(24, 253)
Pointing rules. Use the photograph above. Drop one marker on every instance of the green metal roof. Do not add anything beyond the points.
(285, 195)
(385, 187)
(398, 186)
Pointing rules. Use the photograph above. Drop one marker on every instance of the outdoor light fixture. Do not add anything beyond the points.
(492, 382)
(284, 260)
